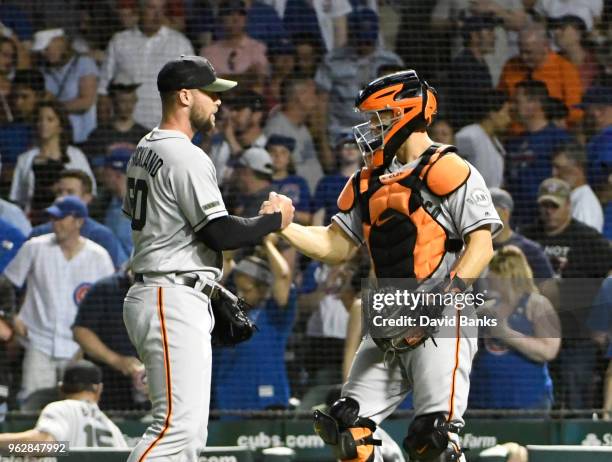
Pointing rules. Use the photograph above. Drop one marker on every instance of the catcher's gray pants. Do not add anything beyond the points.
(170, 325)
(439, 377)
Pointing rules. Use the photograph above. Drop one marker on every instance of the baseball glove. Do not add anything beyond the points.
(232, 325)
(412, 337)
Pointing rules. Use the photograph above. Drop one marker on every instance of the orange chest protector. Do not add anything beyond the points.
(400, 228)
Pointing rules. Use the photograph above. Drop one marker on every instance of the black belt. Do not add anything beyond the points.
(184, 280)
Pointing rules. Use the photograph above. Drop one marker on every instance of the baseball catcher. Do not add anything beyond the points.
(426, 216)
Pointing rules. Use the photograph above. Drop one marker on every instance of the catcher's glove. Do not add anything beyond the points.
(232, 325)
(412, 337)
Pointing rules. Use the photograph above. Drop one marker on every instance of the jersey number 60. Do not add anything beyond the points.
(138, 192)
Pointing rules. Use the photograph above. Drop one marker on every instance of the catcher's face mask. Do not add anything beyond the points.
(411, 104)
(371, 135)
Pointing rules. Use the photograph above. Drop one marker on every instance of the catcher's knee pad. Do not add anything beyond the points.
(430, 435)
(351, 437)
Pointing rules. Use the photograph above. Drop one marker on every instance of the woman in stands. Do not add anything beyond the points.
(511, 368)
(38, 169)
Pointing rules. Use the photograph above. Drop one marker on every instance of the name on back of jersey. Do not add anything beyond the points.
(147, 159)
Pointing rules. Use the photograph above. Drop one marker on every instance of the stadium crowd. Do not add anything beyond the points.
(525, 93)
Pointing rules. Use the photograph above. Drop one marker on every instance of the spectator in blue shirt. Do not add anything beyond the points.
(607, 231)
(16, 20)
(78, 183)
(11, 239)
(27, 90)
(511, 368)
(600, 323)
(598, 105)
(284, 179)
(253, 375)
(301, 18)
(324, 201)
(597, 102)
(115, 180)
(263, 23)
(528, 156)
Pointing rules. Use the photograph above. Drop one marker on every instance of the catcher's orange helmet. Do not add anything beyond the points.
(397, 105)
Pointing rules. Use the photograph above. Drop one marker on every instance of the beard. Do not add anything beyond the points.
(200, 122)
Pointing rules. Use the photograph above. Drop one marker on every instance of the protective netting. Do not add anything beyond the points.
(524, 91)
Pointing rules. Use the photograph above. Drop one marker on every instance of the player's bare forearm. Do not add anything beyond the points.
(478, 252)
(281, 271)
(24, 437)
(328, 244)
(353, 338)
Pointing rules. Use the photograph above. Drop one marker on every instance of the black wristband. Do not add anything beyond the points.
(232, 232)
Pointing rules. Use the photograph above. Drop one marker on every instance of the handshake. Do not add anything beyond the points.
(279, 203)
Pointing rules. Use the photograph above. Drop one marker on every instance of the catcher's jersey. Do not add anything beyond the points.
(172, 193)
(81, 423)
(461, 212)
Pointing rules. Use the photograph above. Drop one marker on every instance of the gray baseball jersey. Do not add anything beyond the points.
(463, 211)
(172, 194)
(81, 423)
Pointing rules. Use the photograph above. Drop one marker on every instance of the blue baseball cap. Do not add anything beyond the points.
(283, 46)
(281, 140)
(118, 159)
(68, 205)
(479, 22)
(597, 95)
(346, 137)
(363, 25)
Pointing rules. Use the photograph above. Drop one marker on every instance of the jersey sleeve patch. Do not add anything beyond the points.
(211, 205)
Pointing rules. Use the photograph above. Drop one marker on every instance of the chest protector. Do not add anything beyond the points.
(399, 224)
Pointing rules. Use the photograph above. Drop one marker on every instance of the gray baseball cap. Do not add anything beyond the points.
(257, 159)
(501, 198)
(191, 72)
(256, 268)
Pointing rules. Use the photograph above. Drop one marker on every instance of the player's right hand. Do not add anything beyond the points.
(279, 203)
